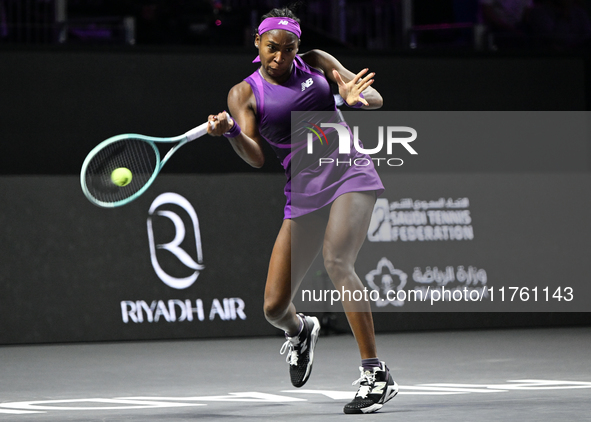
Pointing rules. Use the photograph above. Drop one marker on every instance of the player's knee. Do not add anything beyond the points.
(274, 309)
(337, 268)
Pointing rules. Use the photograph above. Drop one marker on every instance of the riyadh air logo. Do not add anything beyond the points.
(308, 83)
(172, 262)
(387, 281)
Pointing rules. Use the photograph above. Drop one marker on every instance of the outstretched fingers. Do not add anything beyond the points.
(351, 91)
(361, 84)
(338, 78)
(359, 75)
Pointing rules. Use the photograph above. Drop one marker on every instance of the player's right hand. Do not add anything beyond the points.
(219, 123)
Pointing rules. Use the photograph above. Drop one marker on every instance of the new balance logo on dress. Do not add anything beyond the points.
(307, 84)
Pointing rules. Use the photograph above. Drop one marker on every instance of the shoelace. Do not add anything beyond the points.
(292, 355)
(367, 380)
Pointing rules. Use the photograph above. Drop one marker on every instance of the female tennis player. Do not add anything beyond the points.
(332, 206)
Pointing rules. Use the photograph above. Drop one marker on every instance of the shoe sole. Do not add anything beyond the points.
(313, 340)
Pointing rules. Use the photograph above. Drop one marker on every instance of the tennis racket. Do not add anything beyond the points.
(139, 154)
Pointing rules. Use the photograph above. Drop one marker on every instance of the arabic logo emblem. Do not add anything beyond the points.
(174, 246)
(385, 278)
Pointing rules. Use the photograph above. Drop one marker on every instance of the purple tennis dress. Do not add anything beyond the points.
(309, 186)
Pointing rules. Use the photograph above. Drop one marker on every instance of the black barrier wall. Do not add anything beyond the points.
(55, 106)
(74, 272)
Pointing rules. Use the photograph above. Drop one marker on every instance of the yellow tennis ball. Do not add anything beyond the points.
(121, 176)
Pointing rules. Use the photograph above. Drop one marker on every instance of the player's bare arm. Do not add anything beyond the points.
(242, 105)
(350, 84)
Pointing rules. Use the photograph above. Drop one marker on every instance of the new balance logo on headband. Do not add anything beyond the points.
(282, 22)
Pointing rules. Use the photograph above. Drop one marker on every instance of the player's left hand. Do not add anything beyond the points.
(350, 90)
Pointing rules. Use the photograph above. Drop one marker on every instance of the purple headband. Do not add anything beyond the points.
(286, 24)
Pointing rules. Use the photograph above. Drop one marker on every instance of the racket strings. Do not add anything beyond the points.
(139, 156)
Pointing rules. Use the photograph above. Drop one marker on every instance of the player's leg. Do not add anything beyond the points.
(297, 244)
(299, 241)
(350, 215)
(347, 227)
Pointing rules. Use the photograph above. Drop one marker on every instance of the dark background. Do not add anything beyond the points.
(57, 105)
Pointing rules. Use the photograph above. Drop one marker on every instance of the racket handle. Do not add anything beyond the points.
(197, 132)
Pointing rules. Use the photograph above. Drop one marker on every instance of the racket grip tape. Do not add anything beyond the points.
(197, 132)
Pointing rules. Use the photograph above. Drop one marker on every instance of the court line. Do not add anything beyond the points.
(135, 403)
